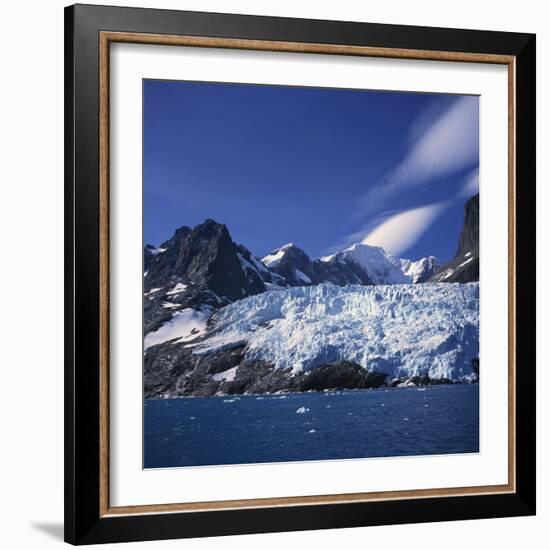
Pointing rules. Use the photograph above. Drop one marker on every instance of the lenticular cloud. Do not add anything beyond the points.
(401, 231)
(449, 144)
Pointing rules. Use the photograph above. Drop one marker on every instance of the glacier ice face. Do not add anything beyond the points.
(402, 330)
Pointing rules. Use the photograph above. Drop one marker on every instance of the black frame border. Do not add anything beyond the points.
(83, 524)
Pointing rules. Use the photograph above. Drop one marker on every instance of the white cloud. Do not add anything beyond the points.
(443, 142)
(401, 231)
(470, 186)
(448, 144)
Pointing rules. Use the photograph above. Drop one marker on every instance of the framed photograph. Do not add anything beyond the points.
(300, 274)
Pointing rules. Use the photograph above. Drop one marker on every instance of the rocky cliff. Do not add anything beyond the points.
(464, 267)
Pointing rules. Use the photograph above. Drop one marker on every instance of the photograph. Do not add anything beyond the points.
(310, 273)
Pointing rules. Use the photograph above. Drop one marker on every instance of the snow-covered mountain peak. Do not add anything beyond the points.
(275, 256)
(418, 271)
(354, 248)
(373, 260)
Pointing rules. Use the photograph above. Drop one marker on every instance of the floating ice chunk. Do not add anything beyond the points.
(302, 410)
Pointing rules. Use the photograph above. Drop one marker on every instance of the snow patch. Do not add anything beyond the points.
(301, 276)
(169, 305)
(274, 258)
(180, 287)
(152, 291)
(184, 325)
(225, 376)
(466, 262)
(258, 264)
(245, 264)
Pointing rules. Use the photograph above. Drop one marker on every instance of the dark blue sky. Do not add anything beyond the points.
(317, 167)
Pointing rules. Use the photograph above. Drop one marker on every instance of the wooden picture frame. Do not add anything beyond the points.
(89, 32)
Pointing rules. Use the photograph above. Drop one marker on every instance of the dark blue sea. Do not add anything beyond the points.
(311, 426)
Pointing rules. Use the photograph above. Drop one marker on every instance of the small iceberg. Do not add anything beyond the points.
(302, 410)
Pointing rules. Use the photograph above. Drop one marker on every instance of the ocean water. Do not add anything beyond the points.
(311, 426)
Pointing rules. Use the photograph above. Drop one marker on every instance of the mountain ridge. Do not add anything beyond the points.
(199, 270)
(200, 276)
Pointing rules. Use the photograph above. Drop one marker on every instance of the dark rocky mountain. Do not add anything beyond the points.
(206, 257)
(200, 268)
(464, 267)
(252, 265)
(149, 253)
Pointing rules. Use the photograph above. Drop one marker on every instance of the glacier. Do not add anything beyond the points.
(401, 330)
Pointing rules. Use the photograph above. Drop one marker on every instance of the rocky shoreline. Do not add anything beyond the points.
(180, 373)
